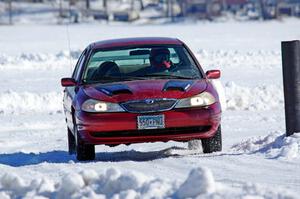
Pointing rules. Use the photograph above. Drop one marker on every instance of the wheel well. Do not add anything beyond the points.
(73, 119)
(73, 115)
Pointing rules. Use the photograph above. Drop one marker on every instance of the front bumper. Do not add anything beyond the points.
(121, 128)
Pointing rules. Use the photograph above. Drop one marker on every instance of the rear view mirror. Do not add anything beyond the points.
(139, 52)
(213, 74)
(66, 82)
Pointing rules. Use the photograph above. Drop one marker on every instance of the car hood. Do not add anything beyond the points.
(145, 89)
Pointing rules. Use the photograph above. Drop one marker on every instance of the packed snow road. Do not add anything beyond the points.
(257, 160)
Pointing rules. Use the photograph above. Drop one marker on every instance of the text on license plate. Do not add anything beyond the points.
(151, 121)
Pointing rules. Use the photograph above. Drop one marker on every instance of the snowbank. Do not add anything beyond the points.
(39, 61)
(234, 59)
(18, 103)
(257, 98)
(200, 183)
(275, 145)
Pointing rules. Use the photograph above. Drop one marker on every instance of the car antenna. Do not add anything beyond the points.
(69, 42)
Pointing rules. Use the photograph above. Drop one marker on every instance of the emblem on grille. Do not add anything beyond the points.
(149, 101)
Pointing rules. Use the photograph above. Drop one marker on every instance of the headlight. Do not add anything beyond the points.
(96, 106)
(203, 99)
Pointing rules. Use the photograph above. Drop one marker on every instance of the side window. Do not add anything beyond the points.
(174, 56)
(76, 73)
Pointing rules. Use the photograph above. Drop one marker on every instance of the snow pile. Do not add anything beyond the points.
(200, 181)
(259, 59)
(115, 184)
(40, 61)
(235, 97)
(112, 184)
(89, 184)
(17, 103)
(257, 98)
(275, 145)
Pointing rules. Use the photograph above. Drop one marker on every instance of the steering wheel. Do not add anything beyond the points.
(173, 67)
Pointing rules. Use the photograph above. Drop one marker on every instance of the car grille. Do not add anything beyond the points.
(149, 105)
(152, 132)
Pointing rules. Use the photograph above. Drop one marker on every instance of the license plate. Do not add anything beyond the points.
(151, 122)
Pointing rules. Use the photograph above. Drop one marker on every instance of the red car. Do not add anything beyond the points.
(137, 90)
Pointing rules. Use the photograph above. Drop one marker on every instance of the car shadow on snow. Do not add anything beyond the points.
(138, 156)
(23, 159)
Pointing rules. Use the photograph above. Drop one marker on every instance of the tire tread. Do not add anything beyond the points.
(214, 143)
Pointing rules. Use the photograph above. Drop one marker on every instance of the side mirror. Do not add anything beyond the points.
(65, 82)
(213, 74)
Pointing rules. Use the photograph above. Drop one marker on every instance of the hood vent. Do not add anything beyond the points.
(174, 85)
(115, 89)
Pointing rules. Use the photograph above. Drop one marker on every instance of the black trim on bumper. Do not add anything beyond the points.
(152, 132)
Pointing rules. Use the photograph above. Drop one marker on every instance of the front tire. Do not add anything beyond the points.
(214, 143)
(84, 151)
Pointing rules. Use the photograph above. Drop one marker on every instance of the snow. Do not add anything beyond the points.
(275, 145)
(17, 103)
(112, 183)
(261, 97)
(199, 182)
(257, 160)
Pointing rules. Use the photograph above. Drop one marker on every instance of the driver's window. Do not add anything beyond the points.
(173, 56)
(78, 67)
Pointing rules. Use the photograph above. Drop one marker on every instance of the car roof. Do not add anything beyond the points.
(136, 41)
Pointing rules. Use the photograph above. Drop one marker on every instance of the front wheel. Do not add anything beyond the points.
(84, 151)
(214, 143)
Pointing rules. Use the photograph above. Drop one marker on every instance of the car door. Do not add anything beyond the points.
(70, 92)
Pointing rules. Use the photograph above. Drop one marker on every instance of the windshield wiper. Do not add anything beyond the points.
(165, 76)
(113, 79)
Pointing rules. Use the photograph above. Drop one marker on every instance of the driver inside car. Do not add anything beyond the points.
(159, 62)
(160, 59)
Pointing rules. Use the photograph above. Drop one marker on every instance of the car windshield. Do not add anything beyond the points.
(144, 62)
